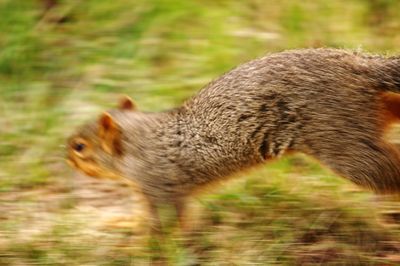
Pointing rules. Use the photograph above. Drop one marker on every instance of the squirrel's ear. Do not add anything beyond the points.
(109, 134)
(126, 103)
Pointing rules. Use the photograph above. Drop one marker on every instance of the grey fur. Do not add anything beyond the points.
(322, 102)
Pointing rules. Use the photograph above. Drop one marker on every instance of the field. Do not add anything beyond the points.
(64, 62)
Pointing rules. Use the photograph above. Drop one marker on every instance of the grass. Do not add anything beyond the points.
(64, 67)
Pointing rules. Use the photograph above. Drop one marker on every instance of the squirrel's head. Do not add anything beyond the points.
(96, 147)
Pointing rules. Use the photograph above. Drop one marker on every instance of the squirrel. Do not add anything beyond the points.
(332, 104)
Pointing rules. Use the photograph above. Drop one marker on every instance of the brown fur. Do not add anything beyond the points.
(334, 105)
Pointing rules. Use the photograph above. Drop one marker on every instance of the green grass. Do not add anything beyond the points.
(67, 67)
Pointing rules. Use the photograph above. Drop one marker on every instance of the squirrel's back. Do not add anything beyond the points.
(324, 102)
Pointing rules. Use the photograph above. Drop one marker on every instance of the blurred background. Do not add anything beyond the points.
(62, 62)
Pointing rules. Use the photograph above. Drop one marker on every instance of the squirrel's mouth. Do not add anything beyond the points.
(90, 168)
(71, 163)
(87, 168)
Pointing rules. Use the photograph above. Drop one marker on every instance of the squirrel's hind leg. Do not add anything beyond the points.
(374, 164)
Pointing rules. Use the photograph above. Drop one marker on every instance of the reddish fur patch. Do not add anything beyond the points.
(390, 109)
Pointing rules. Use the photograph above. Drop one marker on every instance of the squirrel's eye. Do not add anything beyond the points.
(79, 147)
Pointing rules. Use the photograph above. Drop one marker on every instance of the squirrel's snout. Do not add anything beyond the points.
(71, 163)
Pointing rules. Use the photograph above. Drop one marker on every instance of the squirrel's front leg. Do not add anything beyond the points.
(180, 209)
(156, 245)
(153, 217)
